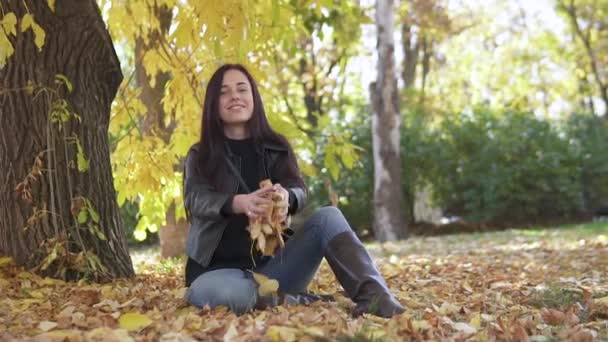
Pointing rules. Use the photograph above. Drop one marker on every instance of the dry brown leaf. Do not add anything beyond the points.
(552, 316)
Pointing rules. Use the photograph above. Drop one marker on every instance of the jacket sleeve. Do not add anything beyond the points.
(200, 199)
(297, 194)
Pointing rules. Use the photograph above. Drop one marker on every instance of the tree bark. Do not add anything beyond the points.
(389, 221)
(410, 55)
(173, 234)
(42, 190)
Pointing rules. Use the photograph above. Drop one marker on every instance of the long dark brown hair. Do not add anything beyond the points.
(211, 160)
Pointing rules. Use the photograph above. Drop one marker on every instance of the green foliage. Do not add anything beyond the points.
(129, 212)
(508, 167)
(588, 134)
(487, 166)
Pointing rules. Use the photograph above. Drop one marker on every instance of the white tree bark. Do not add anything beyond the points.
(389, 220)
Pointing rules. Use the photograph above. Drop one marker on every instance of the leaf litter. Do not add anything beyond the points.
(511, 286)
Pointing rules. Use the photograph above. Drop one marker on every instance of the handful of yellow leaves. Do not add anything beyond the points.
(266, 231)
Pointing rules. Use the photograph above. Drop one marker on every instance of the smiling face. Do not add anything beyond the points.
(236, 100)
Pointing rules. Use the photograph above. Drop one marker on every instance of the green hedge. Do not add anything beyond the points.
(487, 167)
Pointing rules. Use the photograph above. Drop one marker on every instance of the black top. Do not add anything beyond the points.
(235, 248)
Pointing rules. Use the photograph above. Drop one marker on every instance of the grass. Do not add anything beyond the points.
(565, 236)
(556, 296)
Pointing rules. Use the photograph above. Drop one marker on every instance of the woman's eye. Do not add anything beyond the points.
(242, 90)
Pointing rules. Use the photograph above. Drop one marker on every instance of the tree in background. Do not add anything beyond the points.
(156, 122)
(389, 221)
(58, 211)
(315, 90)
(588, 22)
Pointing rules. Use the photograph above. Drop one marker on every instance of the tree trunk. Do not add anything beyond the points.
(410, 46)
(173, 234)
(44, 185)
(389, 222)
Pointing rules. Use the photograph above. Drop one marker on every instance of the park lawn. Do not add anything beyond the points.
(543, 284)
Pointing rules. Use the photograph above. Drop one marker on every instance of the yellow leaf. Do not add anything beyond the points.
(37, 294)
(179, 293)
(25, 303)
(6, 49)
(134, 321)
(39, 35)
(5, 260)
(26, 22)
(475, 320)
(51, 5)
(107, 292)
(9, 23)
(24, 275)
(278, 333)
(267, 286)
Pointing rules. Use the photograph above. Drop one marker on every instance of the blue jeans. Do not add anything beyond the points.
(293, 267)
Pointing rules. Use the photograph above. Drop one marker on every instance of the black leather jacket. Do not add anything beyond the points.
(203, 203)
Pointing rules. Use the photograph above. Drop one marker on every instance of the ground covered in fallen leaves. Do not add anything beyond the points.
(517, 285)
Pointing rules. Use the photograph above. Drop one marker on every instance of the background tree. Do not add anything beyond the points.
(58, 210)
(588, 22)
(155, 122)
(389, 222)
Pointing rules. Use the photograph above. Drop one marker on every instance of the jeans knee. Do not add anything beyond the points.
(239, 298)
(330, 221)
(328, 211)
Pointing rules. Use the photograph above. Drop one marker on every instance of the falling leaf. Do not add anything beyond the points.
(266, 286)
(134, 321)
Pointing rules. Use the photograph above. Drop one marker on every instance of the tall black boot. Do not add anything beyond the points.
(356, 272)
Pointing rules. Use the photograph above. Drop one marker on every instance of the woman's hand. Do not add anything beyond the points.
(278, 189)
(254, 204)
